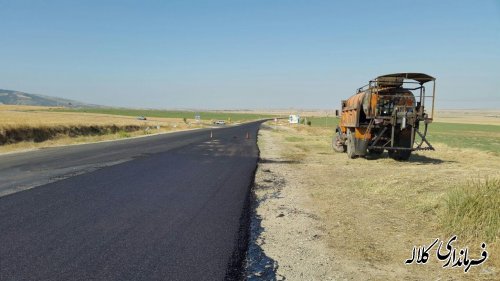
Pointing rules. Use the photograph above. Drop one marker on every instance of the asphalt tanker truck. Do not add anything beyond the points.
(386, 114)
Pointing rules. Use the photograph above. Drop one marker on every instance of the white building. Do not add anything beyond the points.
(294, 119)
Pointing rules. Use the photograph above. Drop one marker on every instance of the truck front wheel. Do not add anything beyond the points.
(350, 145)
(337, 143)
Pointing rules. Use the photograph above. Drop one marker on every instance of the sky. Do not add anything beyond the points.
(247, 54)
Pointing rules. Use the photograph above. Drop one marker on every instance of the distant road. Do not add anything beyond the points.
(165, 207)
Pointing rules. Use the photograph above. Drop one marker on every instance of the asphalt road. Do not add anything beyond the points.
(166, 207)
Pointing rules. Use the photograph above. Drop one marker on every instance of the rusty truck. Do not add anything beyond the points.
(386, 114)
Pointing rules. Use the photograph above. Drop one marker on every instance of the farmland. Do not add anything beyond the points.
(204, 115)
(31, 127)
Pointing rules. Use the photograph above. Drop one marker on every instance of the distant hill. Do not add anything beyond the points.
(20, 98)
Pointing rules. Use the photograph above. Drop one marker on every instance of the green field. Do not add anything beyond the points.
(207, 115)
(482, 137)
(323, 121)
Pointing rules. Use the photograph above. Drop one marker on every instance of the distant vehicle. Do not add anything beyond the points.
(220, 122)
(141, 118)
(386, 115)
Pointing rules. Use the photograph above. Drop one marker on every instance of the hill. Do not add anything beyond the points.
(21, 98)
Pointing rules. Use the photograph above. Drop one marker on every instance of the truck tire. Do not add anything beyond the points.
(400, 155)
(375, 151)
(403, 140)
(350, 145)
(337, 143)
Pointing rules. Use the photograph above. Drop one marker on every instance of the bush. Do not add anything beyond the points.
(473, 210)
(10, 135)
(123, 134)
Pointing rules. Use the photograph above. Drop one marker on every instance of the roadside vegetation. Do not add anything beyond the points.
(473, 209)
(19, 133)
(373, 211)
(474, 198)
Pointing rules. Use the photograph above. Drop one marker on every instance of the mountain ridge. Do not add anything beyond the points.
(12, 97)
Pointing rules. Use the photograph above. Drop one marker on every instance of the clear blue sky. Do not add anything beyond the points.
(247, 53)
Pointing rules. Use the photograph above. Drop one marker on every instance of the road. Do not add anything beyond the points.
(165, 207)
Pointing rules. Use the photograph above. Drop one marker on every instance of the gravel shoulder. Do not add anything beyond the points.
(321, 216)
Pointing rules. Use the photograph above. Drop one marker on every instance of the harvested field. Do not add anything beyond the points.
(323, 216)
(469, 116)
(29, 127)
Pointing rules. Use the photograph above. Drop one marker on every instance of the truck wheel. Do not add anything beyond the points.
(400, 155)
(403, 140)
(375, 151)
(337, 143)
(350, 145)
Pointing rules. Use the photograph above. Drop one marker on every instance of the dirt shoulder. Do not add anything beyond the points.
(322, 216)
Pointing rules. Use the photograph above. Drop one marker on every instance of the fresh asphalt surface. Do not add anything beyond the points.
(165, 207)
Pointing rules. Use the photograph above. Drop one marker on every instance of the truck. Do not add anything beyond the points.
(386, 114)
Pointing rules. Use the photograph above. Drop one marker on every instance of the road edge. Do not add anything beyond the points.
(236, 269)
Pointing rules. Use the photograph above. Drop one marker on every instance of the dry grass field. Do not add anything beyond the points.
(53, 128)
(327, 217)
(39, 116)
(469, 116)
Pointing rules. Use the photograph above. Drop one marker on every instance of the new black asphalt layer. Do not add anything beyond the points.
(19, 171)
(170, 213)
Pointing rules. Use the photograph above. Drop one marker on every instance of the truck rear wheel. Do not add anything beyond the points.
(403, 139)
(400, 155)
